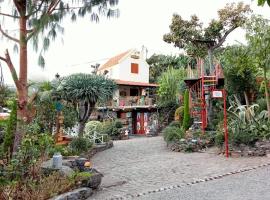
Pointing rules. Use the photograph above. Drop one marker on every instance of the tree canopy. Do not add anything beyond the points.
(84, 91)
(198, 41)
(39, 22)
(160, 63)
(258, 36)
(238, 68)
(169, 85)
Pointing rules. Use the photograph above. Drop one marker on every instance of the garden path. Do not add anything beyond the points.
(144, 164)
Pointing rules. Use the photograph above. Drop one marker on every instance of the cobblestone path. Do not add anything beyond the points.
(142, 164)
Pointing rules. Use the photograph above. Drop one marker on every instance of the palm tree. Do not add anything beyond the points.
(84, 91)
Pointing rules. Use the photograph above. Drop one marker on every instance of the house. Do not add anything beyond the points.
(134, 100)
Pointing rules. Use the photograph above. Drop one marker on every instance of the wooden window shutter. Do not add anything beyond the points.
(134, 68)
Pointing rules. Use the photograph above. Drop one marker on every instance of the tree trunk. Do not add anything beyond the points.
(22, 114)
(209, 100)
(246, 98)
(210, 57)
(266, 92)
(81, 128)
(85, 110)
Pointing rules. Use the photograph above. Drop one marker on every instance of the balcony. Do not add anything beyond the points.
(133, 101)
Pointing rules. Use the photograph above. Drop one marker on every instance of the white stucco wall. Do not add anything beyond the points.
(113, 72)
(125, 70)
(122, 71)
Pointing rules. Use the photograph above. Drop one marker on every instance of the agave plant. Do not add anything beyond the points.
(84, 91)
(247, 125)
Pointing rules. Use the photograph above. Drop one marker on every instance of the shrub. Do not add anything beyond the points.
(80, 145)
(25, 163)
(171, 133)
(219, 139)
(92, 127)
(186, 120)
(64, 150)
(112, 128)
(45, 187)
(247, 125)
(175, 124)
(118, 124)
(3, 124)
(10, 129)
(262, 104)
(179, 114)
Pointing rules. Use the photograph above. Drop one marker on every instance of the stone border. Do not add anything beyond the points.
(98, 148)
(211, 178)
(77, 194)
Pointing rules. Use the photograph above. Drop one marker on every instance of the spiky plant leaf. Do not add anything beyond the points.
(41, 61)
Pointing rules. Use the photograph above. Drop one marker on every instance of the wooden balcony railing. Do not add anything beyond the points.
(133, 101)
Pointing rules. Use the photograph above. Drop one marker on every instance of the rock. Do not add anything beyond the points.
(94, 181)
(66, 171)
(47, 169)
(265, 146)
(80, 163)
(78, 194)
(235, 154)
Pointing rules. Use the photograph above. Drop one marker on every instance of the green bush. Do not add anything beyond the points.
(92, 127)
(10, 130)
(186, 120)
(179, 114)
(111, 128)
(24, 164)
(171, 133)
(175, 124)
(3, 125)
(262, 104)
(118, 124)
(79, 145)
(219, 139)
(64, 150)
(246, 125)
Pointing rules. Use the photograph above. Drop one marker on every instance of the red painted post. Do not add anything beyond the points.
(225, 125)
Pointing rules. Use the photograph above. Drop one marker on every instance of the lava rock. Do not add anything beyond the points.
(78, 194)
(94, 180)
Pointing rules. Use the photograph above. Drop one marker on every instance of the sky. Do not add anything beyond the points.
(141, 23)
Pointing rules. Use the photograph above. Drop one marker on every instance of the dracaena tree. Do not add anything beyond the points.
(39, 22)
(84, 91)
(199, 41)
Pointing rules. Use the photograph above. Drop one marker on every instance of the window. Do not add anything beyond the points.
(134, 92)
(134, 68)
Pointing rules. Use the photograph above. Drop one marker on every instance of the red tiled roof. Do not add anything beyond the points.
(121, 82)
(113, 61)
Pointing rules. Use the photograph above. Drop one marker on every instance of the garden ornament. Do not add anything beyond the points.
(87, 164)
(57, 160)
(126, 132)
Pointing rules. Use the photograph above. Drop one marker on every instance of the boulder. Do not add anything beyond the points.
(78, 194)
(48, 169)
(94, 180)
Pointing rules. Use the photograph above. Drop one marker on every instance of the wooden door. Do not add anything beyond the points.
(142, 122)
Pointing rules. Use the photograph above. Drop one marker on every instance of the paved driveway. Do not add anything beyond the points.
(252, 185)
(144, 164)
